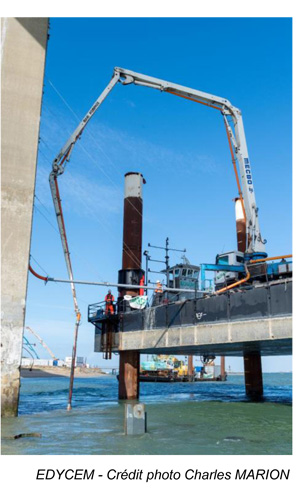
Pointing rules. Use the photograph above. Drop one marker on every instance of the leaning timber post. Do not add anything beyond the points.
(24, 43)
(131, 273)
(253, 376)
(252, 361)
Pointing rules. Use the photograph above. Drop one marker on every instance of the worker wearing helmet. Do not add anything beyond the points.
(158, 288)
(109, 303)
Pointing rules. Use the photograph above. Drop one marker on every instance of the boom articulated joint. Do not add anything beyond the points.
(56, 169)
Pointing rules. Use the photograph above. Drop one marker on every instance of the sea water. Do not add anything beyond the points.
(183, 418)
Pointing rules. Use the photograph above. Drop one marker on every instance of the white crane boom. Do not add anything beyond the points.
(42, 342)
(237, 136)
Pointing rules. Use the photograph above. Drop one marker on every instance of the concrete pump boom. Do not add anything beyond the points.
(237, 137)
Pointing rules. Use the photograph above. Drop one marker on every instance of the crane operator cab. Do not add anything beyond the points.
(182, 276)
(224, 278)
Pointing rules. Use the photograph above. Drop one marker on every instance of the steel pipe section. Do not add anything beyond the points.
(131, 272)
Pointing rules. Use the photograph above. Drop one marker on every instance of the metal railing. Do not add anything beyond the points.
(96, 311)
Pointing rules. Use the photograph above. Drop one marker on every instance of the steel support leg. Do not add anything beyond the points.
(253, 375)
(223, 372)
(129, 375)
(191, 369)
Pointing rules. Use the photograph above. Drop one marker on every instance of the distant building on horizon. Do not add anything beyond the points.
(79, 362)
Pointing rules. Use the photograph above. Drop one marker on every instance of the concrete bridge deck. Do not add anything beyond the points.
(271, 336)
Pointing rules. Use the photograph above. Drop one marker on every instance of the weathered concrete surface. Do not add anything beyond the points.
(24, 44)
(271, 336)
(135, 419)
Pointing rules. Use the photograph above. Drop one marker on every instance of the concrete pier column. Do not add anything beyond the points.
(253, 375)
(135, 419)
(131, 273)
(24, 42)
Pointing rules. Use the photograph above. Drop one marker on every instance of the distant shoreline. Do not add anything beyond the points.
(48, 372)
(80, 372)
(264, 373)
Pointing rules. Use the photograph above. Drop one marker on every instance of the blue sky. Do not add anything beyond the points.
(180, 147)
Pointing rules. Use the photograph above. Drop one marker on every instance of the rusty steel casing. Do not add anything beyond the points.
(131, 273)
(223, 371)
(253, 375)
(132, 230)
(133, 221)
(190, 367)
(240, 226)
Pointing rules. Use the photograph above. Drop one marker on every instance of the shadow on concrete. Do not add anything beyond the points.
(37, 27)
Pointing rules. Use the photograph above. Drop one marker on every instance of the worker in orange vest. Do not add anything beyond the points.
(109, 306)
(142, 283)
(158, 288)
